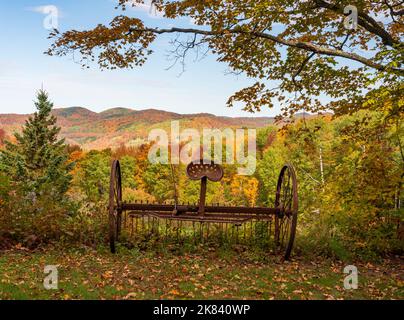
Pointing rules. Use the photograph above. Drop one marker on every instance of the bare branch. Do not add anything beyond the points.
(305, 61)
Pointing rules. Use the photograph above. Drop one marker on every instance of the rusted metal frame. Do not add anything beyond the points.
(198, 218)
(285, 210)
(167, 215)
(208, 209)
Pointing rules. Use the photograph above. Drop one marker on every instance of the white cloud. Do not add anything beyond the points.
(46, 9)
(147, 7)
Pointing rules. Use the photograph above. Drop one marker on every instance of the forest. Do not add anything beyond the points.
(349, 174)
(349, 169)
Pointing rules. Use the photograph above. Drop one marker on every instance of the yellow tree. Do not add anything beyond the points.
(244, 190)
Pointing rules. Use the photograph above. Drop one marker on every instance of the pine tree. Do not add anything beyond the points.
(38, 161)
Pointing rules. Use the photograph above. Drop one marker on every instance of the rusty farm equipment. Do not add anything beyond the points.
(278, 221)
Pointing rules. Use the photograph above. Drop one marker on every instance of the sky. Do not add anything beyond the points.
(204, 87)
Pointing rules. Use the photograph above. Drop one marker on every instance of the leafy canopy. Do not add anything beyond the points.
(298, 51)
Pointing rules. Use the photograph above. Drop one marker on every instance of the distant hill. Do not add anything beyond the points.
(112, 127)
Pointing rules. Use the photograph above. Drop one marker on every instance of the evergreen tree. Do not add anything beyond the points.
(38, 161)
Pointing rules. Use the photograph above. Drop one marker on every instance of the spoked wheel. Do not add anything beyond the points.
(286, 203)
(115, 202)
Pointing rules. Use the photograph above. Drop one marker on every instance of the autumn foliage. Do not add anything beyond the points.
(304, 47)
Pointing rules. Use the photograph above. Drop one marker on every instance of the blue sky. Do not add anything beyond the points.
(204, 87)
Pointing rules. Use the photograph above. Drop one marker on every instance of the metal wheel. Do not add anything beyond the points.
(115, 202)
(286, 203)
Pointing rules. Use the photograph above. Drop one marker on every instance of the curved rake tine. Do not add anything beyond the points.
(231, 233)
(194, 233)
(166, 231)
(149, 230)
(243, 232)
(201, 231)
(268, 231)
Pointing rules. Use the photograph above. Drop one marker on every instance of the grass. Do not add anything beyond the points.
(202, 274)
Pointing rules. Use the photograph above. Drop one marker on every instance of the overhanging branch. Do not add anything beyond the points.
(290, 43)
(365, 21)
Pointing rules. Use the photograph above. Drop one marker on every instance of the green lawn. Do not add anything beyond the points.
(206, 274)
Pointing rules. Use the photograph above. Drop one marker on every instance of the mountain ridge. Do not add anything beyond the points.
(119, 125)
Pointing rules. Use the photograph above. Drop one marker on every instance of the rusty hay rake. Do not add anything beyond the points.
(279, 222)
